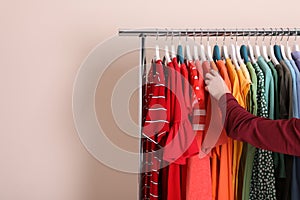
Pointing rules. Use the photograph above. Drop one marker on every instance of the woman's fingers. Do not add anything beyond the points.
(208, 76)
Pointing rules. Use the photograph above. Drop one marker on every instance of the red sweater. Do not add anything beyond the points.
(281, 136)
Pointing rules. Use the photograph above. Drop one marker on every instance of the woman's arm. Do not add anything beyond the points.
(281, 136)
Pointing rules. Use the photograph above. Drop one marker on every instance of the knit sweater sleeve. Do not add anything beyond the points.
(281, 136)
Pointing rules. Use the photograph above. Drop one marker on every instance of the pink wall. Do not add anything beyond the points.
(42, 44)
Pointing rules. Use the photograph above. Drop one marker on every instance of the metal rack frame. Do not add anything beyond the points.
(143, 33)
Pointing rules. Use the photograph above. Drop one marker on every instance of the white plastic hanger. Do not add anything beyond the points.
(288, 48)
(173, 50)
(238, 54)
(224, 47)
(264, 49)
(196, 57)
(271, 51)
(256, 48)
(167, 54)
(296, 46)
(157, 57)
(233, 56)
(250, 50)
(202, 50)
(282, 47)
(187, 48)
(208, 49)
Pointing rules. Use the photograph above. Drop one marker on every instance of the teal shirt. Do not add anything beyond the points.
(269, 86)
(276, 90)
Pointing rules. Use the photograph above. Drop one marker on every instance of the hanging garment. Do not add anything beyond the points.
(288, 83)
(263, 164)
(238, 145)
(221, 157)
(252, 108)
(155, 127)
(198, 183)
(283, 163)
(295, 185)
(294, 88)
(181, 143)
(279, 161)
(297, 77)
(296, 57)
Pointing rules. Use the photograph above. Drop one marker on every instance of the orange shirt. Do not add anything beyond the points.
(221, 159)
(237, 145)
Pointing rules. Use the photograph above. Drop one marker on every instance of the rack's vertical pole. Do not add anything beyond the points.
(140, 113)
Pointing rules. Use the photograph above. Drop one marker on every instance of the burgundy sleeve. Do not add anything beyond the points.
(281, 136)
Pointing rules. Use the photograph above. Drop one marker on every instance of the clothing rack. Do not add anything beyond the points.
(143, 33)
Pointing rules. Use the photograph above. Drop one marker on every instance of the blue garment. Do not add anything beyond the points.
(297, 73)
(295, 95)
(295, 188)
(269, 86)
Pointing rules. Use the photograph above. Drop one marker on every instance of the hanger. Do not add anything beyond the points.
(208, 50)
(264, 48)
(173, 51)
(237, 49)
(224, 47)
(277, 50)
(180, 58)
(250, 49)
(216, 51)
(157, 57)
(257, 49)
(282, 47)
(187, 48)
(288, 48)
(271, 50)
(243, 50)
(196, 57)
(233, 55)
(167, 54)
(202, 50)
(296, 46)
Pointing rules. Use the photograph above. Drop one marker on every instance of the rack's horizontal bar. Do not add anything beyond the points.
(210, 32)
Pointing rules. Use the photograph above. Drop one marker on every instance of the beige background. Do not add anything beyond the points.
(42, 44)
